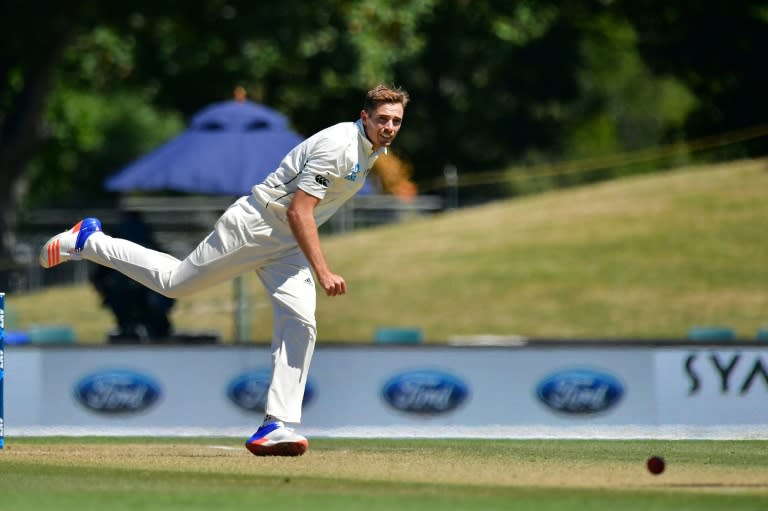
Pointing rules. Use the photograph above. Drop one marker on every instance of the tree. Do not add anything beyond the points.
(494, 82)
(26, 74)
(302, 58)
(716, 49)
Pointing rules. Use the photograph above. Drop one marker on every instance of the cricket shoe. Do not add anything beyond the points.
(274, 439)
(67, 245)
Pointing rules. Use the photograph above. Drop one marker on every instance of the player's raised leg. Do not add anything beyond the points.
(237, 243)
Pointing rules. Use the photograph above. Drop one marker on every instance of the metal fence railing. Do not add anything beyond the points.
(179, 224)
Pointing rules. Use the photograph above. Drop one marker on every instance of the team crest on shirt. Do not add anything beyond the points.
(352, 176)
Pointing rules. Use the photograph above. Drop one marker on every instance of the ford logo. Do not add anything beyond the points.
(249, 390)
(425, 392)
(117, 392)
(580, 391)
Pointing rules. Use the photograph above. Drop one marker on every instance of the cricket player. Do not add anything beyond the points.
(273, 231)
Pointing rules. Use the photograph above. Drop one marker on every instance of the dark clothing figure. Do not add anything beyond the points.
(141, 313)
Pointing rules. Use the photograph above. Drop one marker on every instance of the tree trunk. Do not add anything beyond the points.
(21, 134)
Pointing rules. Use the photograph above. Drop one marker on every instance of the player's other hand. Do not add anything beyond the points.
(332, 284)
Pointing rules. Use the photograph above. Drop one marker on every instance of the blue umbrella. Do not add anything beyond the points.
(229, 147)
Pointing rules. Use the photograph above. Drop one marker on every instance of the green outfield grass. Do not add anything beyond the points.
(642, 257)
(79, 474)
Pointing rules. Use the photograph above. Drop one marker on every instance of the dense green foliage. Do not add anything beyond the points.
(494, 83)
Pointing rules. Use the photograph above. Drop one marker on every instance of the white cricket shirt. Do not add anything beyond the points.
(331, 165)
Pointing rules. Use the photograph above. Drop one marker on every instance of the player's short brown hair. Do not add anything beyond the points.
(382, 94)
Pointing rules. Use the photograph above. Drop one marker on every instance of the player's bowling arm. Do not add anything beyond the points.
(304, 228)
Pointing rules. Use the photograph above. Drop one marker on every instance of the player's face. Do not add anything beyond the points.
(382, 124)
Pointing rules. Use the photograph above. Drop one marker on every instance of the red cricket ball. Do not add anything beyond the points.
(655, 465)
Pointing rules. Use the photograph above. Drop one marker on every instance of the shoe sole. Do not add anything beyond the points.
(282, 449)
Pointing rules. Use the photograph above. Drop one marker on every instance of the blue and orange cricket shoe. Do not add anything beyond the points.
(274, 439)
(66, 246)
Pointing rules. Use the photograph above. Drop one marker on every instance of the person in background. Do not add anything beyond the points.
(274, 232)
(141, 314)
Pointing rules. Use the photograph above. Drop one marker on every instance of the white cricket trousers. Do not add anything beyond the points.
(246, 237)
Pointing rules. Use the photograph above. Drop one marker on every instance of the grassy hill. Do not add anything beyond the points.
(642, 257)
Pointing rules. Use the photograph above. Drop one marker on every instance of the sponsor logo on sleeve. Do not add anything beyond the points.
(425, 392)
(354, 171)
(117, 392)
(249, 390)
(322, 181)
(580, 391)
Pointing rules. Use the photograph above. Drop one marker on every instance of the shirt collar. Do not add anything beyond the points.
(367, 143)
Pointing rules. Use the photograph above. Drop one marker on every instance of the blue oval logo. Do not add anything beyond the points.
(425, 392)
(249, 390)
(117, 392)
(580, 391)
